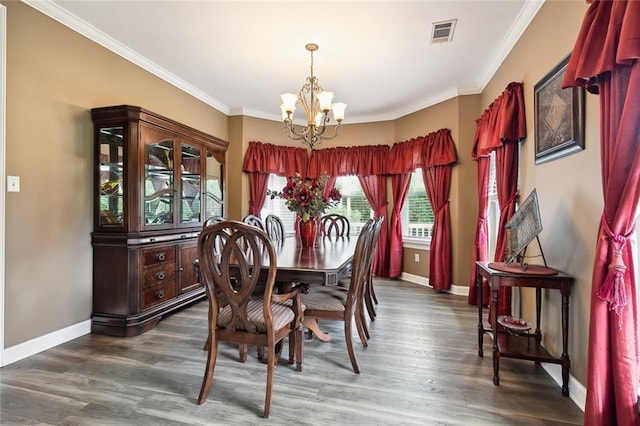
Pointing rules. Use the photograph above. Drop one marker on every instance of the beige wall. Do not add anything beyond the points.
(54, 77)
(569, 190)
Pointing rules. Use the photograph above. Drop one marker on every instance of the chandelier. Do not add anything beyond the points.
(316, 104)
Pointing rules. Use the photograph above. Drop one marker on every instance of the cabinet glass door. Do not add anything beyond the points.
(214, 200)
(190, 180)
(159, 185)
(110, 177)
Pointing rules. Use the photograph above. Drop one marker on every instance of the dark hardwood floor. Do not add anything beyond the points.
(421, 368)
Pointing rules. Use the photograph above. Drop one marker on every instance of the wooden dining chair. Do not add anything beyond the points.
(274, 227)
(340, 304)
(212, 221)
(238, 313)
(254, 220)
(334, 225)
(368, 299)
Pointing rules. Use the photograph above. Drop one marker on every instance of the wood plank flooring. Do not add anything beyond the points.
(421, 368)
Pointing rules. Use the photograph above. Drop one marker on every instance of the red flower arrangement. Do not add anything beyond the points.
(305, 196)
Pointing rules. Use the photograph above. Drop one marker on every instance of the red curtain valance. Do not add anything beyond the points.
(438, 149)
(280, 160)
(612, 37)
(369, 160)
(503, 121)
(435, 149)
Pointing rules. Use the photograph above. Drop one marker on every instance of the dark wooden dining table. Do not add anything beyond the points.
(326, 263)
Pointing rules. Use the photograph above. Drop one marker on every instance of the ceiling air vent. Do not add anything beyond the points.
(442, 32)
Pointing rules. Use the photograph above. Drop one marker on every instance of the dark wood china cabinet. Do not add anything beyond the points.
(155, 182)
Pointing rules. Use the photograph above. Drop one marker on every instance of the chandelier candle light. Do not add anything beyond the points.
(316, 103)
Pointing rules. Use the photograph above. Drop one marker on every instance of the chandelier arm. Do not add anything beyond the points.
(335, 133)
(303, 135)
(291, 131)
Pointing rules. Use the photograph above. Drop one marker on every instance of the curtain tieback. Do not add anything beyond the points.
(442, 207)
(481, 238)
(511, 200)
(612, 289)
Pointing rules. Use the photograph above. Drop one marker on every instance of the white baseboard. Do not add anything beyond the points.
(42, 343)
(577, 392)
(416, 279)
(457, 290)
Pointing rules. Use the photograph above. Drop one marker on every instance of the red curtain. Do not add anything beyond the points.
(258, 183)
(261, 159)
(507, 189)
(435, 151)
(605, 59)
(399, 187)
(368, 160)
(375, 189)
(438, 154)
(500, 127)
(481, 252)
(404, 158)
(280, 160)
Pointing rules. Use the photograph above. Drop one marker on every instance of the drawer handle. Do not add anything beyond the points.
(159, 294)
(161, 256)
(160, 275)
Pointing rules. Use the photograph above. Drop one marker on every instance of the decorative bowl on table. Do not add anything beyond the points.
(514, 325)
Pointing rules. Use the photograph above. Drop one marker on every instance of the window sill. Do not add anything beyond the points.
(416, 243)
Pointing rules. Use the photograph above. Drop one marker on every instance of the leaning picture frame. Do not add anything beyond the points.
(559, 116)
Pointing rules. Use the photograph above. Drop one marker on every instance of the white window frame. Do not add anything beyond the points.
(408, 241)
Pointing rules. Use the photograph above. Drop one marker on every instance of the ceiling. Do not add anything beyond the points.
(239, 56)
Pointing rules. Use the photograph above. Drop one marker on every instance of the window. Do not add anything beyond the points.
(417, 215)
(354, 204)
(277, 206)
(493, 208)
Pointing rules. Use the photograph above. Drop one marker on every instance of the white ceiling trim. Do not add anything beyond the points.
(54, 11)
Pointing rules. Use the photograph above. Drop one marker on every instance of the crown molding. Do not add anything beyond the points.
(80, 26)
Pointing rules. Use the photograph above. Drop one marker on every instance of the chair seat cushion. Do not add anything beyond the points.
(330, 298)
(282, 315)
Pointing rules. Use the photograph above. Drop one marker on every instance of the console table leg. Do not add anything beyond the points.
(565, 375)
(496, 367)
(480, 325)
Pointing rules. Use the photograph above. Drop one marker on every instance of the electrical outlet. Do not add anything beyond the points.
(416, 257)
(13, 183)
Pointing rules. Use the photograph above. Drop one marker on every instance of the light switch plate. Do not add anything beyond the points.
(13, 183)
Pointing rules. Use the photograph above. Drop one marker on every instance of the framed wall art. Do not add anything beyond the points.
(559, 116)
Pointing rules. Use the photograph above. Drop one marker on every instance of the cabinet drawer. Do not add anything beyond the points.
(159, 275)
(159, 255)
(152, 296)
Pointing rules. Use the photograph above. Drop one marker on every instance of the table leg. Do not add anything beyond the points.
(494, 327)
(312, 324)
(566, 363)
(480, 325)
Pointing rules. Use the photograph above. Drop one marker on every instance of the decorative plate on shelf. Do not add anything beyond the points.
(514, 324)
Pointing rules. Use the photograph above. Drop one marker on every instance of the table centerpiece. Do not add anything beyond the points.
(307, 198)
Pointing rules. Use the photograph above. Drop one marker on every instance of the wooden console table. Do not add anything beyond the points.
(526, 345)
